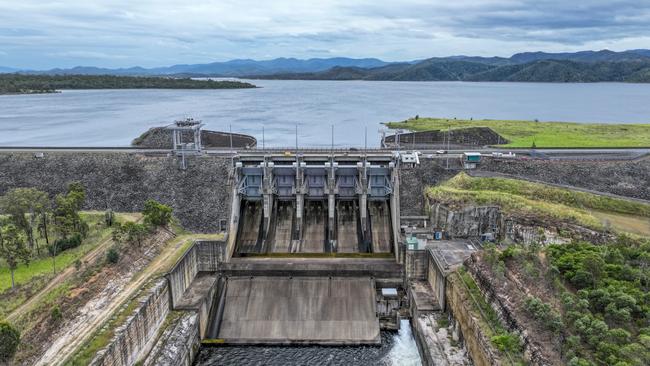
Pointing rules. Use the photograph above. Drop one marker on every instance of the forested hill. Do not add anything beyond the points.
(468, 69)
(26, 84)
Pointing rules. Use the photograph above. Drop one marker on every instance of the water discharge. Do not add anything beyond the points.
(397, 349)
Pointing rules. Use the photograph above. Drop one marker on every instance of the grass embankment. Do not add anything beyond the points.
(522, 134)
(524, 198)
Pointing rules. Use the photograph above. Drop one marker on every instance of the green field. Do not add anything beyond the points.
(522, 134)
(526, 198)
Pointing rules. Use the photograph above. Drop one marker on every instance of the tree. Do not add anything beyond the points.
(156, 213)
(66, 211)
(130, 232)
(12, 248)
(25, 206)
(9, 340)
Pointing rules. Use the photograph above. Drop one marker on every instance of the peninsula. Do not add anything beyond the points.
(35, 84)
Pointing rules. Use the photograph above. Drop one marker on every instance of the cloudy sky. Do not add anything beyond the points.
(42, 34)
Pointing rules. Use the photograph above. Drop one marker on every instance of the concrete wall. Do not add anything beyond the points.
(123, 181)
(139, 330)
(202, 256)
(179, 345)
(436, 280)
(416, 264)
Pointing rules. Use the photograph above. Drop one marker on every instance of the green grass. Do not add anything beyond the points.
(38, 272)
(522, 134)
(526, 198)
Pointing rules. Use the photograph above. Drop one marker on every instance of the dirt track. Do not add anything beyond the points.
(93, 315)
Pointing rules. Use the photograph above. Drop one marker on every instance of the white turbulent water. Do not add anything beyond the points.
(397, 349)
(404, 351)
(115, 117)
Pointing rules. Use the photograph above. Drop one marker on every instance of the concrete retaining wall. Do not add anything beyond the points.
(199, 195)
(179, 345)
(416, 264)
(202, 256)
(137, 334)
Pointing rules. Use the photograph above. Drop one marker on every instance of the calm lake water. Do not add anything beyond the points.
(115, 117)
(397, 349)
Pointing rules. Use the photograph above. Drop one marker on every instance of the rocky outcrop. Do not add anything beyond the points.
(502, 304)
(478, 345)
(161, 138)
(199, 195)
(467, 222)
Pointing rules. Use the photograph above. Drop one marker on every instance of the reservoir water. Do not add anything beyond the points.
(115, 117)
(397, 349)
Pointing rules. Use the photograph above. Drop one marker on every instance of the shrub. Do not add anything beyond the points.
(9, 340)
(55, 313)
(112, 256)
(65, 244)
(544, 313)
(506, 342)
(156, 213)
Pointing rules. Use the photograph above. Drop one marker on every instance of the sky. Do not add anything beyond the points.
(38, 34)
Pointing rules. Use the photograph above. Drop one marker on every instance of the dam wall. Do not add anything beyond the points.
(413, 182)
(123, 181)
(136, 335)
(624, 178)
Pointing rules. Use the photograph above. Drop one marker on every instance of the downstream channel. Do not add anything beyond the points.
(397, 348)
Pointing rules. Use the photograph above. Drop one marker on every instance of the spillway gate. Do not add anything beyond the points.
(296, 203)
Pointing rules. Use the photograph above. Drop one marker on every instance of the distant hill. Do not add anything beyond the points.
(231, 68)
(583, 66)
(601, 66)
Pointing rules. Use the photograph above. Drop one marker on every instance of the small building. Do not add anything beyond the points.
(470, 159)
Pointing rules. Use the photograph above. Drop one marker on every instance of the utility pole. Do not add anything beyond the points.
(448, 147)
(232, 153)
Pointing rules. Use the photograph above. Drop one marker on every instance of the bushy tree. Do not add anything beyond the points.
(130, 232)
(9, 340)
(156, 213)
(12, 248)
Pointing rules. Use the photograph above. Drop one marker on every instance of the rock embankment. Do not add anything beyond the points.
(161, 138)
(623, 178)
(199, 195)
(457, 138)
